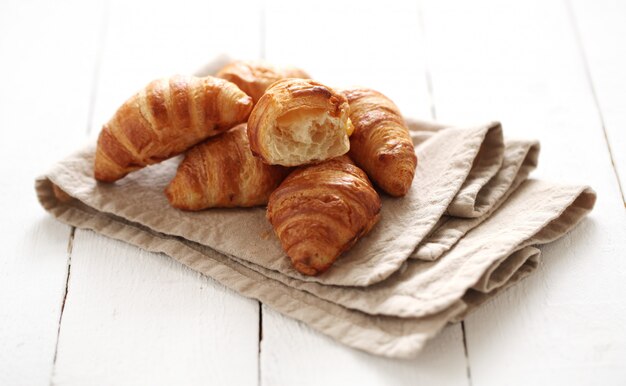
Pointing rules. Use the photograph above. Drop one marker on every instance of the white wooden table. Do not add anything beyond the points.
(77, 308)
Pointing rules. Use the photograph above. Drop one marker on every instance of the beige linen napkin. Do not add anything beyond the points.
(489, 179)
(424, 288)
(504, 275)
(470, 212)
(445, 161)
(520, 158)
(382, 335)
(418, 300)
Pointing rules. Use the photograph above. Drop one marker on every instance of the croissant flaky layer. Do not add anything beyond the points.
(222, 172)
(321, 210)
(299, 121)
(166, 118)
(381, 143)
(255, 77)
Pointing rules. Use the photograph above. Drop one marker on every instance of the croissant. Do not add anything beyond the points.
(254, 78)
(299, 121)
(165, 119)
(381, 143)
(320, 211)
(222, 172)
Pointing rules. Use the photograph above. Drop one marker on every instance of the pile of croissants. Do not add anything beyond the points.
(256, 134)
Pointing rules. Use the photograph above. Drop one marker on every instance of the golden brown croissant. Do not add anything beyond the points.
(321, 210)
(254, 78)
(222, 172)
(380, 143)
(299, 121)
(165, 119)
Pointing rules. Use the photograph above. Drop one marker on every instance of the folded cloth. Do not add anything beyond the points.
(382, 335)
(445, 162)
(520, 158)
(426, 288)
(412, 299)
(465, 232)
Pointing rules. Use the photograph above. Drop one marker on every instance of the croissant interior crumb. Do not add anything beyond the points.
(307, 135)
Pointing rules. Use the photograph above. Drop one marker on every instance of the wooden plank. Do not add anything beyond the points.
(146, 41)
(293, 354)
(601, 27)
(134, 317)
(360, 46)
(343, 44)
(519, 62)
(44, 104)
(140, 317)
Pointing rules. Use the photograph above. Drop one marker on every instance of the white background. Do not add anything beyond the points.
(77, 308)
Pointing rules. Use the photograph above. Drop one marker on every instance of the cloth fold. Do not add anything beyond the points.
(466, 232)
(382, 335)
(519, 159)
(245, 233)
(423, 288)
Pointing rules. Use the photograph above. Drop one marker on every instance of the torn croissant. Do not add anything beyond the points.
(165, 119)
(299, 121)
(321, 210)
(381, 143)
(222, 172)
(254, 78)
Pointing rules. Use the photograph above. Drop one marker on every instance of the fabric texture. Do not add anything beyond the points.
(468, 229)
(377, 298)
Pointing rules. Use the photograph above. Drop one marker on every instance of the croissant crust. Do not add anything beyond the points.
(299, 121)
(381, 143)
(254, 78)
(321, 210)
(165, 119)
(222, 172)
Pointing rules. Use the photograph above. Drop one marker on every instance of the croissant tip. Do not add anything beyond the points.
(398, 190)
(308, 259)
(104, 177)
(173, 198)
(305, 267)
(105, 170)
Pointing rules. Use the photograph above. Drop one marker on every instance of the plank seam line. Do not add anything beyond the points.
(466, 351)
(262, 53)
(433, 113)
(587, 68)
(96, 71)
(427, 73)
(70, 247)
(262, 32)
(260, 343)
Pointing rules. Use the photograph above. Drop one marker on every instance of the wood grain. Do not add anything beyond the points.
(147, 40)
(365, 44)
(388, 58)
(548, 69)
(600, 27)
(140, 317)
(44, 105)
(519, 62)
(293, 354)
(134, 317)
